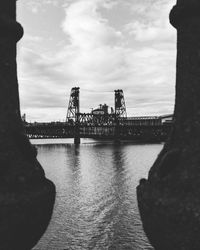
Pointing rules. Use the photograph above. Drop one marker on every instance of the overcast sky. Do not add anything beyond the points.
(100, 46)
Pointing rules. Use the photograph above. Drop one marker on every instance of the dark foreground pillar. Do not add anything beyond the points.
(26, 196)
(169, 201)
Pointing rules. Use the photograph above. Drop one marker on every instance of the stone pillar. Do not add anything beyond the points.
(26, 196)
(169, 201)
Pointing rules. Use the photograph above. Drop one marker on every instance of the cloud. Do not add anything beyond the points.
(38, 5)
(85, 26)
(151, 32)
(155, 26)
(98, 57)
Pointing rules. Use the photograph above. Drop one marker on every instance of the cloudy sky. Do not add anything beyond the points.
(100, 46)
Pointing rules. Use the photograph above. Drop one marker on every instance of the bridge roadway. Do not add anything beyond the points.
(148, 133)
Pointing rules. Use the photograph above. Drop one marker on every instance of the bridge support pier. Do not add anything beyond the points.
(77, 139)
(117, 140)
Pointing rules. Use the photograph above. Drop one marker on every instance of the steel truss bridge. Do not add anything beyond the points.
(101, 124)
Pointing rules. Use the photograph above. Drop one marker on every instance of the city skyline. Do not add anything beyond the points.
(98, 46)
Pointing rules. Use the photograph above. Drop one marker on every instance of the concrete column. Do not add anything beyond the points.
(169, 200)
(77, 139)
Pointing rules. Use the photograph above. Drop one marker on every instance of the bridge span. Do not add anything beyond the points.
(101, 124)
(143, 133)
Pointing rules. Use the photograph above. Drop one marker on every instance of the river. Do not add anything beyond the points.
(96, 205)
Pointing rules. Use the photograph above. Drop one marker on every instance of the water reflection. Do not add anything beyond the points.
(96, 204)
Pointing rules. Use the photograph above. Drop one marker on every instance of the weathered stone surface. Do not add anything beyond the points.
(26, 196)
(169, 201)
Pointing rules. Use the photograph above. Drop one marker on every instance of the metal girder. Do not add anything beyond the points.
(74, 105)
(120, 106)
(89, 119)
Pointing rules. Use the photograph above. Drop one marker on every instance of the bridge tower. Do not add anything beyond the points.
(73, 106)
(73, 113)
(120, 113)
(120, 106)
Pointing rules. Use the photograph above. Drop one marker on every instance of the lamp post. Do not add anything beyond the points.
(26, 196)
(169, 200)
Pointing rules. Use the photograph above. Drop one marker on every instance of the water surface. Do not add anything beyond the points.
(96, 206)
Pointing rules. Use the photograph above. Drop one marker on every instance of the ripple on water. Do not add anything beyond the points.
(96, 206)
